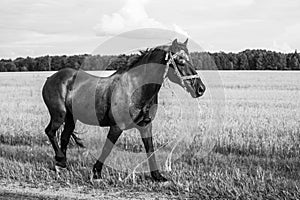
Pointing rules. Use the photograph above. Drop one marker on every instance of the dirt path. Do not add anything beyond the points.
(22, 191)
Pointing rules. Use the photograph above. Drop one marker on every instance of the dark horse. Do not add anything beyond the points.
(121, 101)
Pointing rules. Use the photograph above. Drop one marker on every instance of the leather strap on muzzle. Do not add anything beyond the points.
(170, 59)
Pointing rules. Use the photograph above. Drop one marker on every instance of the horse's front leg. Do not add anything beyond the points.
(112, 136)
(146, 134)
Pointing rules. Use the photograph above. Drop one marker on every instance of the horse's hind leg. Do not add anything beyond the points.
(55, 123)
(66, 134)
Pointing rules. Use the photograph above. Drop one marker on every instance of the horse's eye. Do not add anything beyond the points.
(181, 61)
(183, 55)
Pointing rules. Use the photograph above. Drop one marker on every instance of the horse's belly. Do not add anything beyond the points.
(85, 112)
(88, 119)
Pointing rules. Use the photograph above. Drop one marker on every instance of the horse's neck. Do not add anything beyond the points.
(146, 79)
(153, 69)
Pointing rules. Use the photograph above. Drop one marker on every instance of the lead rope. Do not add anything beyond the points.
(170, 59)
(168, 162)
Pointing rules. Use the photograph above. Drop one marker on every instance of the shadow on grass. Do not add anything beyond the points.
(277, 166)
(258, 150)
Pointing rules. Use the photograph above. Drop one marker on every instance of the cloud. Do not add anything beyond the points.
(37, 27)
(130, 17)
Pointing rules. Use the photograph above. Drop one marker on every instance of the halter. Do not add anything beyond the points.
(176, 70)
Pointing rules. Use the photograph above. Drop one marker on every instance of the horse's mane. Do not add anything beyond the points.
(135, 58)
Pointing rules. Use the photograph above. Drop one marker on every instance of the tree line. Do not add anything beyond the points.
(245, 60)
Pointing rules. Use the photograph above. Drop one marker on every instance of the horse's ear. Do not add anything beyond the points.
(186, 41)
(174, 42)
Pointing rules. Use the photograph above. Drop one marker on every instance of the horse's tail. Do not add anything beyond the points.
(77, 140)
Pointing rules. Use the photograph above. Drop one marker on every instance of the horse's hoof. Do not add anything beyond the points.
(61, 162)
(62, 165)
(96, 172)
(58, 168)
(95, 177)
(158, 177)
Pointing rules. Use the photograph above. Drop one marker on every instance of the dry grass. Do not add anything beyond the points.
(253, 154)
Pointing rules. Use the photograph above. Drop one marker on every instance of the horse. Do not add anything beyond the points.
(121, 101)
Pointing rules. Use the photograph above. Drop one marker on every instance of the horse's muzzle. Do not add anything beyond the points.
(200, 90)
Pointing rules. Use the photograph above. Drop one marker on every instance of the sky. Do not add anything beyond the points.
(56, 27)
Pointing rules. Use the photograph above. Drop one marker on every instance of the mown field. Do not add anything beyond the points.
(245, 146)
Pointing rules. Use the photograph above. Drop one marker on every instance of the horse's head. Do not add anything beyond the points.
(183, 72)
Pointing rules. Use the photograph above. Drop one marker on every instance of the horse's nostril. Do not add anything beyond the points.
(201, 89)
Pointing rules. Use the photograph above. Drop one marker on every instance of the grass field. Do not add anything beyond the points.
(246, 148)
